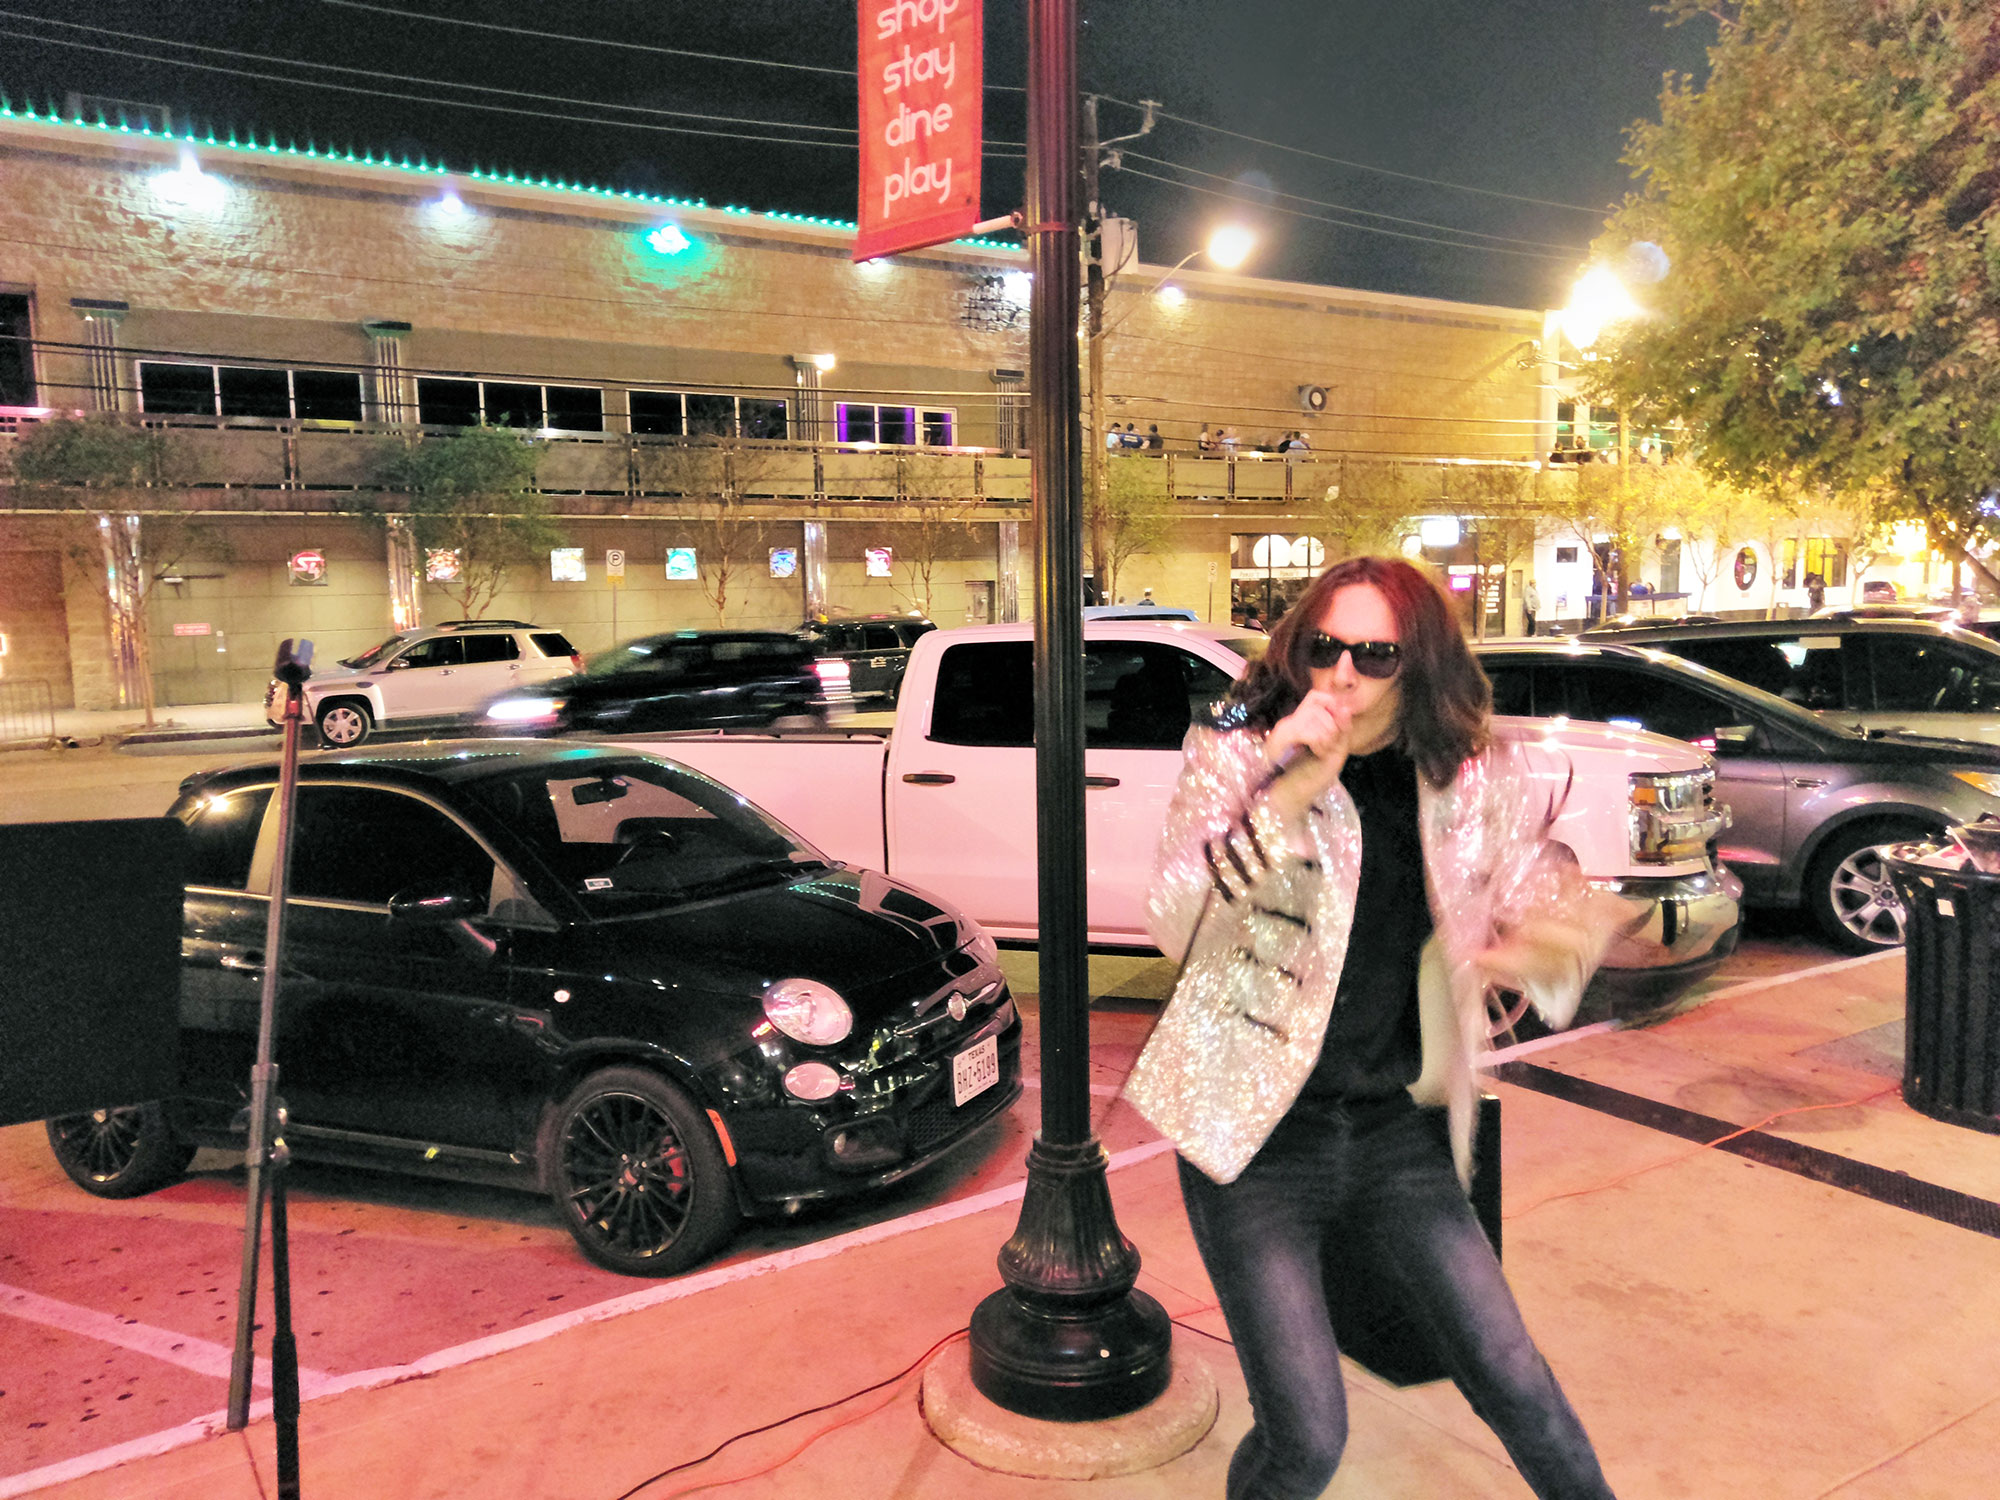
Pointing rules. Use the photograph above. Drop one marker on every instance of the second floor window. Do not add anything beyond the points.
(903, 426)
(200, 390)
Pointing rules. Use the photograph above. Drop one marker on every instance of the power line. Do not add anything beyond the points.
(1365, 212)
(1396, 234)
(501, 109)
(601, 41)
(478, 88)
(1361, 166)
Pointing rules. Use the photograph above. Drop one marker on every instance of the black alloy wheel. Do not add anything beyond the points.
(119, 1152)
(1848, 887)
(637, 1174)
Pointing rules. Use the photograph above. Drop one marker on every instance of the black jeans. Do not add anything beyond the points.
(1387, 1184)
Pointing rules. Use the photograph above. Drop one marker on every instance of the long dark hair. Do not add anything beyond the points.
(1447, 703)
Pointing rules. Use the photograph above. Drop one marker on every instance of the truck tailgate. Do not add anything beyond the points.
(826, 788)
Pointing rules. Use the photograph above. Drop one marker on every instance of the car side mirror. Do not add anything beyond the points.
(1735, 739)
(420, 906)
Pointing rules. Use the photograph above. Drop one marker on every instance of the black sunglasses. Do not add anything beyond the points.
(1371, 658)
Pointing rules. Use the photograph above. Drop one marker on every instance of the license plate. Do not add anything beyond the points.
(975, 1070)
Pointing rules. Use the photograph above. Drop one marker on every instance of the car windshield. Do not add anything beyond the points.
(1770, 705)
(1250, 646)
(629, 834)
(374, 654)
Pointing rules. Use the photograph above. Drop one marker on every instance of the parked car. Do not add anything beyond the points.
(1141, 611)
(1616, 623)
(578, 968)
(1811, 800)
(1879, 591)
(687, 679)
(947, 798)
(862, 658)
(431, 677)
(1919, 676)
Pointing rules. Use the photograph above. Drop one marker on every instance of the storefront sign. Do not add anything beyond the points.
(784, 562)
(681, 564)
(879, 560)
(441, 565)
(308, 567)
(922, 89)
(201, 628)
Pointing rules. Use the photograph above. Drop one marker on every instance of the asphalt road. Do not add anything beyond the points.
(117, 1318)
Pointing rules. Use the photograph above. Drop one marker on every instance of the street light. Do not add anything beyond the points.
(1597, 301)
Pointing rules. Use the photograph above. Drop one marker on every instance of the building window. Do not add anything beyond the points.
(657, 413)
(1827, 556)
(17, 357)
(902, 426)
(188, 390)
(509, 403)
(707, 414)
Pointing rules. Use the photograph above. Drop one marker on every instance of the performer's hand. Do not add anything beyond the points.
(1320, 727)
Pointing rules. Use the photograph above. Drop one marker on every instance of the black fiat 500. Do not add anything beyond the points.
(577, 968)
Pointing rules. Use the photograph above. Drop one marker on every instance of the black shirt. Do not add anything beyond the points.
(1373, 1045)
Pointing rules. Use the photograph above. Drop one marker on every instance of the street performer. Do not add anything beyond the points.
(1350, 866)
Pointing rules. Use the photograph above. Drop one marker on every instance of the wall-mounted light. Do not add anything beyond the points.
(1439, 531)
(1016, 287)
(1172, 296)
(669, 239)
(187, 186)
(449, 203)
(823, 362)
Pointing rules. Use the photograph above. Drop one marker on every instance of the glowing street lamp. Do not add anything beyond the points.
(1597, 301)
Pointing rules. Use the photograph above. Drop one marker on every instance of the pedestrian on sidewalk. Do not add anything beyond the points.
(1349, 863)
(1531, 605)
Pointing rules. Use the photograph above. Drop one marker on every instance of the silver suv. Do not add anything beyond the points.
(1812, 800)
(433, 676)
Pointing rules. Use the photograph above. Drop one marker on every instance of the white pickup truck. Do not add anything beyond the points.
(946, 800)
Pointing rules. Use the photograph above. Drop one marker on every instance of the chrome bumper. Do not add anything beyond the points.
(1688, 927)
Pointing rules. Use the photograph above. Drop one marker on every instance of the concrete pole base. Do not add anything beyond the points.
(995, 1438)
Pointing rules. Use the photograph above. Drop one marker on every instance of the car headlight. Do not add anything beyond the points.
(1981, 781)
(524, 710)
(807, 1011)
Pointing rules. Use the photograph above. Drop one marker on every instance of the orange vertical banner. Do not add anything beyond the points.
(923, 66)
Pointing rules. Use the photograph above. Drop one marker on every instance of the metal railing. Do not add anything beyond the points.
(27, 712)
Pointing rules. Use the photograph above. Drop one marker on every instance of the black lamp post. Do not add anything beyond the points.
(1068, 1338)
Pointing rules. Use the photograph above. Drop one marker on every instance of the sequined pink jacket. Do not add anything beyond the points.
(1243, 1030)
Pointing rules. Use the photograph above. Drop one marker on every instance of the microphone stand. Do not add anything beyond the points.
(266, 1154)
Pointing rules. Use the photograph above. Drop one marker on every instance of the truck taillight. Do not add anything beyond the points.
(576, 661)
(1673, 815)
(833, 674)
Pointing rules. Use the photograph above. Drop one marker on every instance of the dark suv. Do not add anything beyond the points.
(689, 679)
(1812, 801)
(862, 658)
(1907, 674)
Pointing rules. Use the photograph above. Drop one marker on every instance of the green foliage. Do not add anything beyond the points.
(469, 492)
(935, 516)
(96, 453)
(709, 476)
(1830, 207)
(1136, 513)
(1369, 510)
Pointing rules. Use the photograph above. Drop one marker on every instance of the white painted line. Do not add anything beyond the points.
(534, 1333)
(199, 1355)
(1772, 981)
(1102, 1090)
(1543, 1043)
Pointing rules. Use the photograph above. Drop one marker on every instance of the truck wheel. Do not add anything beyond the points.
(637, 1175)
(119, 1152)
(343, 722)
(1848, 887)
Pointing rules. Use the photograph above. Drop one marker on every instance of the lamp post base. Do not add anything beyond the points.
(1068, 1339)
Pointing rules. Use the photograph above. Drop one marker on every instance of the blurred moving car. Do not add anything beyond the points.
(863, 657)
(1874, 672)
(1811, 801)
(686, 679)
(430, 677)
(1612, 624)
(581, 969)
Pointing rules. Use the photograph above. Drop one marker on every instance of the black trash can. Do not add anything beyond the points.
(1951, 1038)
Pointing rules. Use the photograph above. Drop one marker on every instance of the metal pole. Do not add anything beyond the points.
(1067, 1339)
(1094, 289)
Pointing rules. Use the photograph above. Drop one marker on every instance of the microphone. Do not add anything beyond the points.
(1291, 760)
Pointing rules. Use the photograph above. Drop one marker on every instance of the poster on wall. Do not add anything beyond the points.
(784, 562)
(1746, 569)
(566, 565)
(308, 568)
(441, 565)
(681, 565)
(879, 560)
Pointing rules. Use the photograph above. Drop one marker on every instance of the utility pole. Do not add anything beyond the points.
(1093, 311)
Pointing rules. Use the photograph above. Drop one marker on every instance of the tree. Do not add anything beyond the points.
(1627, 505)
(1502, 506)
(710, 474)
(1136, 514)
(113, 479)
(1830, 210)
(1367, 511)
(937, 508)
(469, 493)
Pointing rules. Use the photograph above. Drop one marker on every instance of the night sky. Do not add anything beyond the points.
(1517, 97)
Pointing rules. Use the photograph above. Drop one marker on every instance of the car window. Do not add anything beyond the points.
(880, 638)
(1823, 671)
(354, 843)
(985, 695)
(489, 648)
(775, 652)
(438, 651)
(1629, 699)
(654, 657)
(374, 654)
(915, 628)
(1758, 661)
(552, 643)
(222, 835)
(1511, 694)
(1142, 696)
(627, 835)
(1914, 673)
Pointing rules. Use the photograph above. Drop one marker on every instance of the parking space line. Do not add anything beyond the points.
(202, 1356)
(1772, 981)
